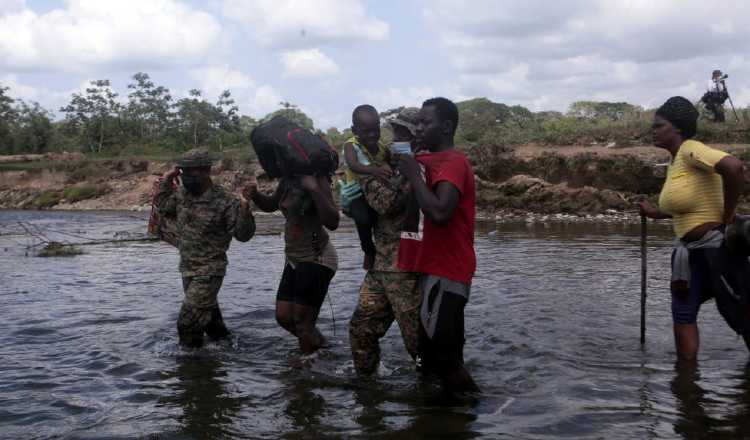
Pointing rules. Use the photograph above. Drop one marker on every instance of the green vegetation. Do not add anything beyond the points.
(84, 191)
(47, 199)
(152, 124)
(618, 124)
(55, 249)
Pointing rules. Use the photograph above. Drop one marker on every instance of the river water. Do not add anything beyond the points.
(88, 345)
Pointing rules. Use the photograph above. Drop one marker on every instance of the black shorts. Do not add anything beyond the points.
(307, 284)
(441, 342)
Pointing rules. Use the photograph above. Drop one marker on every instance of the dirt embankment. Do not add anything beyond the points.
(510, 181)
(121, 184)
(572, 180)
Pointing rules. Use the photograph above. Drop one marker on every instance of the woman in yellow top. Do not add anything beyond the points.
(700, 195)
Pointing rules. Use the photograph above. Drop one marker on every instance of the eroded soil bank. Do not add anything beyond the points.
(511, 182)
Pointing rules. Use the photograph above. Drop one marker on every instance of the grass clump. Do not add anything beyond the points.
(55, 249)
(47, 199)
(83, 192)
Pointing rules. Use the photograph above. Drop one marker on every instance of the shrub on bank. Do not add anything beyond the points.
(47, 199)
(83, 192)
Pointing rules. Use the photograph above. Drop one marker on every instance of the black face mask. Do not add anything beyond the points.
(192, 184)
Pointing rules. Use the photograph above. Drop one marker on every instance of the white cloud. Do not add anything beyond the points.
(304, 23)
(9, 6)
(215, 79)
(393, 97)
(92, 33)
(308, 64)
(251, 98)
(50, 99)
(552, 53)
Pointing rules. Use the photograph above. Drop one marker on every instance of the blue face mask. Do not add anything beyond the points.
(401, 147)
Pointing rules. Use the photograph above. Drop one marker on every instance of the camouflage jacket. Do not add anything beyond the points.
(205, 226)
(389, 201)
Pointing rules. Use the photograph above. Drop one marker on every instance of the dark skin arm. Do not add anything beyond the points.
(437, 206)
(351, 160)
(732, 173)
(263, 202)
(319, 189)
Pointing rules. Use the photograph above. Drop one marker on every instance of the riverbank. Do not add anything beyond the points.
(527, 183)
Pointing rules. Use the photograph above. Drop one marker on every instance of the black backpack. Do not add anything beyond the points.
(285, 149)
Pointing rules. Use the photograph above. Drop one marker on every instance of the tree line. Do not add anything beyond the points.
(149, 120)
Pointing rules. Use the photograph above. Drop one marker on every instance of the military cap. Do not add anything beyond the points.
(195, 158)
(407, 118)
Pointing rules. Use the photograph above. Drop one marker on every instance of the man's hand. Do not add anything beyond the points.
(408, 166)
(383, 172)
(250, 189)
(172, 175)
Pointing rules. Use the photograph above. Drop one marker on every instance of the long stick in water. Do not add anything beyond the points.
(643, 278)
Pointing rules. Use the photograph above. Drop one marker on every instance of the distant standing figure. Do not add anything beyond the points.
(716, 94)
(207, 217)
(700, 196)
(311, 260)
(446, 255)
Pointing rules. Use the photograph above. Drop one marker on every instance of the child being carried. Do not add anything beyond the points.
(364, 155)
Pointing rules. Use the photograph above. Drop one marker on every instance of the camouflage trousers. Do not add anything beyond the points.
(200, 311)
(383, 297)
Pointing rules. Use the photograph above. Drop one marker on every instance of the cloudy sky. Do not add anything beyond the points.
(329, 55)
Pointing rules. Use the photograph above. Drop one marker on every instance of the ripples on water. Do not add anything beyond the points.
(89, 348)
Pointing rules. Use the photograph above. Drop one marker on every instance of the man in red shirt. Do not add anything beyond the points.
(446, 256)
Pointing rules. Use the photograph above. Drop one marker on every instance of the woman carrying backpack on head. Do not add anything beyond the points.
(305, 198)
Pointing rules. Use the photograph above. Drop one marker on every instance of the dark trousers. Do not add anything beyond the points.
(365, 218)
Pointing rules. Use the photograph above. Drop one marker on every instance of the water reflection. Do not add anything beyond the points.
(695, 404)
(552, 338)
(305, 408)
(207, 408)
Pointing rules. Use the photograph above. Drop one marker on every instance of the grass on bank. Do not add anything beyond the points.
(55, 249)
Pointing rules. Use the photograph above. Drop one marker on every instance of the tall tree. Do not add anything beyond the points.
(196, 117)
(293, 113)
(148, 106)
(7, 119)
(93, 114)
(33, 131)
(227, 118)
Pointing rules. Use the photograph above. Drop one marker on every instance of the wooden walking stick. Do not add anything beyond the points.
(643, 278)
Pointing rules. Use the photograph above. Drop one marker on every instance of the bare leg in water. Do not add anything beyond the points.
(300, 320)
(686, 340)
(460, 381)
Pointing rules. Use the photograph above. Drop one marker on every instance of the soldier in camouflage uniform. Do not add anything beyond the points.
(387, 292)
(207, 217)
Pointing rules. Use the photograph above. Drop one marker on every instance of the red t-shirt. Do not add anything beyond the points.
(448, 250)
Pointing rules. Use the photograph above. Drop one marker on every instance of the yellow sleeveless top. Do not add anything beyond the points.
(693, 193)
(365, 157)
